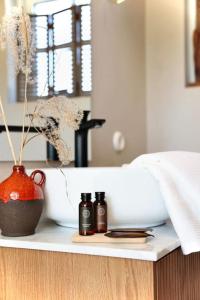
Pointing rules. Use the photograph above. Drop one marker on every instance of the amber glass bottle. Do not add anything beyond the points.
(86, 215)
(100, 213)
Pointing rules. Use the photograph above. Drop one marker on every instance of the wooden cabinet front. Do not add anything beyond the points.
(45, 275)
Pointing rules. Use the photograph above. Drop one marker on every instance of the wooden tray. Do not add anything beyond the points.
(101, 238)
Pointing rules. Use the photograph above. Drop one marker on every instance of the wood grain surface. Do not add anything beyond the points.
(43, 275)
(177, 277)
(101, 238)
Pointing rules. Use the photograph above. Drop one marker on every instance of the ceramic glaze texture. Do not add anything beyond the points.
(21, 202)
(132, 195)
(19, 186)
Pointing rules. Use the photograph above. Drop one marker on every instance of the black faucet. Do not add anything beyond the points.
(81, 139)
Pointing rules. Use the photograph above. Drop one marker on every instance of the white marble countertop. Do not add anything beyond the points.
(51, 237)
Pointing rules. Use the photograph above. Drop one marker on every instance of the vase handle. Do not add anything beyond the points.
(43, 177)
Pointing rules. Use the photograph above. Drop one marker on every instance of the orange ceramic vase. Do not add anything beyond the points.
(21, 202)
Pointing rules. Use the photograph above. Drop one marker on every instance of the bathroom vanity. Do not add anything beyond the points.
(48, 266)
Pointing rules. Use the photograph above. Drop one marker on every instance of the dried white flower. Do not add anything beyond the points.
(52, 115)
(64, 152)
(17, 36)
(62, 109)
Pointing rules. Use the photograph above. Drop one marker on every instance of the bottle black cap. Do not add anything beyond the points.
(100, 195)
(86, 196)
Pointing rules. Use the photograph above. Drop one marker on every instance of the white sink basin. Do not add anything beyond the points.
(132, 194)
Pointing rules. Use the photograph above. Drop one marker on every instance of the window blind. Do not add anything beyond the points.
(62, 63)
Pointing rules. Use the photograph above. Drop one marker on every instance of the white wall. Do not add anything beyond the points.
(118, 78)
(173, 111)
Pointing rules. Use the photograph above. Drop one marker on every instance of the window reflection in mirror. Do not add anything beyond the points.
(63, 50)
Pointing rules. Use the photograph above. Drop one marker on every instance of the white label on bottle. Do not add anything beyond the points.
(101, 211)
(86, 213)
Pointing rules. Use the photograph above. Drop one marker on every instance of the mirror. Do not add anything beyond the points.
(60, 67)
(139, 69)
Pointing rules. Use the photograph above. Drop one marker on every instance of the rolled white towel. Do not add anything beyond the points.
(178, 175)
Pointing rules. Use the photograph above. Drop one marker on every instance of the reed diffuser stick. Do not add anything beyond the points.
(7, 132)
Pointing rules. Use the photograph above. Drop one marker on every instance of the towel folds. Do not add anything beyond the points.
(178, 176)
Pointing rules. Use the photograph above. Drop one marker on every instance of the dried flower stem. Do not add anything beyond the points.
(31, 138)
(25, 109)
(27, 132)
(26, 85)
(31, 122)
(8, 132)
(39, 133)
